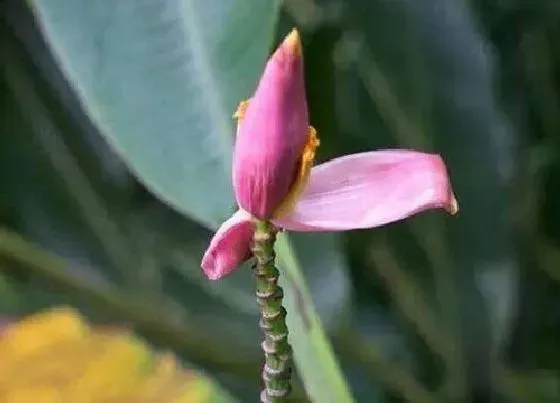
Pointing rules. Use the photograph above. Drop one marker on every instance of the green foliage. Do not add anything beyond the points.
(205, 85)
(193, 58)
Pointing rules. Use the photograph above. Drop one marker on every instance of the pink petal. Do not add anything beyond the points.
(371, 189)
(272, 133)
(229, 247)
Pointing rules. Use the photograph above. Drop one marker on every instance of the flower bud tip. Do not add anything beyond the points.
(292, 43)
(454, 206)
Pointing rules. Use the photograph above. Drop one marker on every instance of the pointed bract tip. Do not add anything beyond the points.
(453, 206)
(292, 43)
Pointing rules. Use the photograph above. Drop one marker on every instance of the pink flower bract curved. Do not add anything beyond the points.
(229, 247)
(371, 189)
(357, 191)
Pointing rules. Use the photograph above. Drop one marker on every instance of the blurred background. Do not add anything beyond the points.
(114, 172)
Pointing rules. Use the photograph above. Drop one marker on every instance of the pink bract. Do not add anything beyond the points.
(272, 133)
(357, 191)
(229, 247)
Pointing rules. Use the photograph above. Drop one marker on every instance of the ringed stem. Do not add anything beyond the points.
(277, 370)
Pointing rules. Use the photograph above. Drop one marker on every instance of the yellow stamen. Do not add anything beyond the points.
(241, 109)
(302, 177)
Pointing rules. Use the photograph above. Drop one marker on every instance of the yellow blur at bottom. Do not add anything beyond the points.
(55, 357)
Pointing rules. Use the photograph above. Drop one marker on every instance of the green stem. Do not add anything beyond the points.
(277, 370)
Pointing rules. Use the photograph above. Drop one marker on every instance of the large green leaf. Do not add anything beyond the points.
(55, 224)
(161, 79)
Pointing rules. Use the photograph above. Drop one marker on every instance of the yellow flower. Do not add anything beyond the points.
(56, 357)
